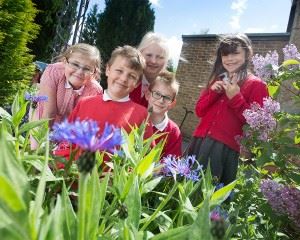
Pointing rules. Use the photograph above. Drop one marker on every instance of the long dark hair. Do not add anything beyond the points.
(228, 44)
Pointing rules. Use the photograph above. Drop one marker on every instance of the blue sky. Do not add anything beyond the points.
(174, 18)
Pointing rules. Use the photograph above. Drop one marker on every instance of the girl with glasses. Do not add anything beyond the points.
(67, 81)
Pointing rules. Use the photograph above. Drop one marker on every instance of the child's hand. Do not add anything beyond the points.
(231, 88)
(217, 86)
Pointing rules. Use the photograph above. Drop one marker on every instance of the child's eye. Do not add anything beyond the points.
(133, 77)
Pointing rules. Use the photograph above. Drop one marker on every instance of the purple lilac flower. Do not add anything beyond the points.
(173, 166)
(265, 67)
(271, 106)
(290, 51)
(260, 119)
(284, 200)
(85, 134)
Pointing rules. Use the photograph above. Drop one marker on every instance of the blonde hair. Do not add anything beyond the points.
(85, 49)
(135, 58)
(155, 38)
(168, 79)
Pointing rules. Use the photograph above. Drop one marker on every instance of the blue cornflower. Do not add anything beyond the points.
(184, 167)
(85, 134)
(35, 99)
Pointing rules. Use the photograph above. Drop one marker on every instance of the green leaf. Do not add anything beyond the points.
(133, 203)
(200, 229)
(179, 233)
(221, 194)
(127, 187)
(5, 114)
(92, 205)
(273, 90)
(12, 168)
(149, 186)
(30, 125)
(69, 220)
(18, 116)
(290, 62)
(10, 196)
(146, 162)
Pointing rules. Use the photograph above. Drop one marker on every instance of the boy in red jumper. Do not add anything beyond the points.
(123, 72)
(161, 98)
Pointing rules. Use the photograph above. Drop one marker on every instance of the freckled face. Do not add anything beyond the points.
(155, 60)
(79, 69)
(121, 79)
(233, 61)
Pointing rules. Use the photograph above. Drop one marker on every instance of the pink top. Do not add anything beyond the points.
(66, 98)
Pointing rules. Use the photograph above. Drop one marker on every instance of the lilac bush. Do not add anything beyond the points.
(284, 200)
(265, 67)
(261, 119)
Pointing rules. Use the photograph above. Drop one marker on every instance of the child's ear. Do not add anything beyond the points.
(172, 104)
(107, 70)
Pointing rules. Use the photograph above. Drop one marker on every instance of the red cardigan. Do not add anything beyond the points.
(174, 139)
(221, 118)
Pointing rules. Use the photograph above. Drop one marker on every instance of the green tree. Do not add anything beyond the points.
(89, 33)
(123, 22)
(56, 19)
(17, 29)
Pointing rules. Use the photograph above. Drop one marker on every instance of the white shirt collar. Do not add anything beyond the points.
(162, 125)
(78, 91)
(107, 97)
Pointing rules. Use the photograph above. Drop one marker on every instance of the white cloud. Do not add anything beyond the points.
(239, 6)
(175, 45)
(155, 2)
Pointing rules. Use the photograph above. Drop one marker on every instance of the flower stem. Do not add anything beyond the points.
(83, 178)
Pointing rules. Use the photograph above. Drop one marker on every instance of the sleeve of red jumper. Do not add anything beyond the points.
(258, 92)
(207, 98)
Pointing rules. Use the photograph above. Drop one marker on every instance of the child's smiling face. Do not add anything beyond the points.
(121, 79)
(233, 61)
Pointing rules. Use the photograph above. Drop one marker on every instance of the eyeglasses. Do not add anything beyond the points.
(75, 66)
(158, 96)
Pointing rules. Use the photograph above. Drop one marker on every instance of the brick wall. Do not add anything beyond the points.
(194, 68)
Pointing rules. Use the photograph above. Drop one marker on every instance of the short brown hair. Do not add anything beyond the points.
(167, 78)
(134, 56)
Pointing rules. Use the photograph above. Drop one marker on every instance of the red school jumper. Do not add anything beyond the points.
(173, 139)
(221, 118)
(119, 114)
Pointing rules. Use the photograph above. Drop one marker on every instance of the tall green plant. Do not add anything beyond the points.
(17, 30)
